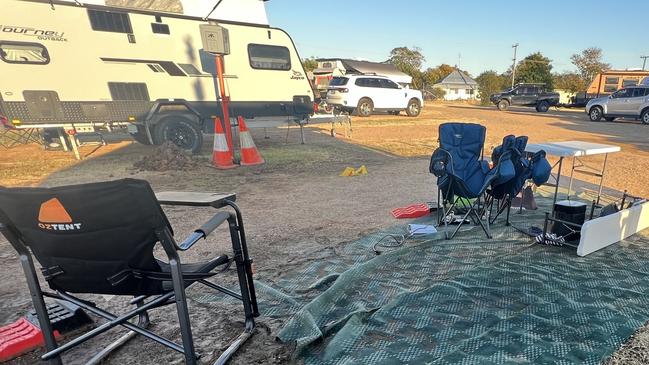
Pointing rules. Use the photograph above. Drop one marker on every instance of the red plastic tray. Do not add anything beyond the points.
(20, 337)
(411, 211)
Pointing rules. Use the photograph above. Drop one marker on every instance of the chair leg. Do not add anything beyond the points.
(485, 229)
(247, 293)
(143, 322)
(183, 311)
(246, 257)
(457, 229)
(39, 306)
(247, 288)
(509, 208)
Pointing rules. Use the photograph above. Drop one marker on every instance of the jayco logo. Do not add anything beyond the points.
(297, 75)
(54, 217)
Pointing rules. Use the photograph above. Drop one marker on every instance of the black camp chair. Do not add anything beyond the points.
(99, 238)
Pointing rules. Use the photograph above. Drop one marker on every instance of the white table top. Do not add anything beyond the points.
(572, 148)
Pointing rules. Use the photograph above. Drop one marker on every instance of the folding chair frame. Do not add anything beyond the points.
(503, 205)
(177, 295)
(476, 208)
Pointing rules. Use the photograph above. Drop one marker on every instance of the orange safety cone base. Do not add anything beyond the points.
(250, 156)
(222, 157)
(222, 165)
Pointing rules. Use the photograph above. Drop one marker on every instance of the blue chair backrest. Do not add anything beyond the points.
(502, 158)
(465, 143)
(520, 167)
(540, 169)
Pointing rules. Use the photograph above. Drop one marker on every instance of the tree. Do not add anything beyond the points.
(309, 64)
(433, 75)
(489, 82)
(437, 93)
(589, 63)
(407, 60)
(570, 81)
(535, 68)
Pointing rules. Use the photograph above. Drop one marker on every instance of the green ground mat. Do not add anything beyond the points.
(469, 300)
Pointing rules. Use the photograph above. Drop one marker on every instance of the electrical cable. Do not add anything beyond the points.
(214, 8)
(399, 240)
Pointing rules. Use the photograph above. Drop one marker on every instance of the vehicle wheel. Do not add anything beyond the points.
(609, 119)
(414, 108)
(543, 107)
(595, 114)
(365, 107)
(644, 117)
(503, 105)
(181, 131)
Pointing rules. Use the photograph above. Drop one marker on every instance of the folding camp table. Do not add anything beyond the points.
(576, 150)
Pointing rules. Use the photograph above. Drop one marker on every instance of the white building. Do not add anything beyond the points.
(458, 86)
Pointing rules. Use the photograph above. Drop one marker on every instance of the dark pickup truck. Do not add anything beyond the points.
(526, 95)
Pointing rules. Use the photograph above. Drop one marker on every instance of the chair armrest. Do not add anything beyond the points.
(205, 230)
(440, 162)
(193, 199)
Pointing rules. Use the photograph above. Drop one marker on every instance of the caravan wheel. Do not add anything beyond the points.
(181, 131)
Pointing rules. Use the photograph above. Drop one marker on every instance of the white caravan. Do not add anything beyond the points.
(75, 62)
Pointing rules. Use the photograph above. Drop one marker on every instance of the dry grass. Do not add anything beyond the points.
(417, 137)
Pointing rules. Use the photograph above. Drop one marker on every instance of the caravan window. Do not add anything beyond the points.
(629, 82)
(190, 69)
(266, 57)
(160, 28)
(23, 52)
(107, 21)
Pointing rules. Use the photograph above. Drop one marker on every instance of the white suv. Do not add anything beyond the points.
(365, 93)
(630, 102)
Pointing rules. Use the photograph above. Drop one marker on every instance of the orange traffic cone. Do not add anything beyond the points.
(249, 154)
(222, 156)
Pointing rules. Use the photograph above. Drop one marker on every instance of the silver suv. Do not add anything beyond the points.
(630, 102)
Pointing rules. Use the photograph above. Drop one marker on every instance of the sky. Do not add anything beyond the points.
(476, 34)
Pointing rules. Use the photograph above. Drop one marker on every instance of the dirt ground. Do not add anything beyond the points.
(296, 205)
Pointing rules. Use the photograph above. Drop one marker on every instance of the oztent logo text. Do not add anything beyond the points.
(53, 217)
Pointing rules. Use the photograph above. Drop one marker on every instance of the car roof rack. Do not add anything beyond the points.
(365, 74)
(530, 84)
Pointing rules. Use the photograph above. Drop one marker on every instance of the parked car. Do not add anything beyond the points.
(630, 102)
(365, 94)
(526, 95)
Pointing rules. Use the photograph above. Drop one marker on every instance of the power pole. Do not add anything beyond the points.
(644, 61)
(515, 47)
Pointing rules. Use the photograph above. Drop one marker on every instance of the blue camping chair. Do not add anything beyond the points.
(535, 167)
(463, 175)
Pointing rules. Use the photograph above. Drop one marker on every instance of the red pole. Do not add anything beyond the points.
(225, 102)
